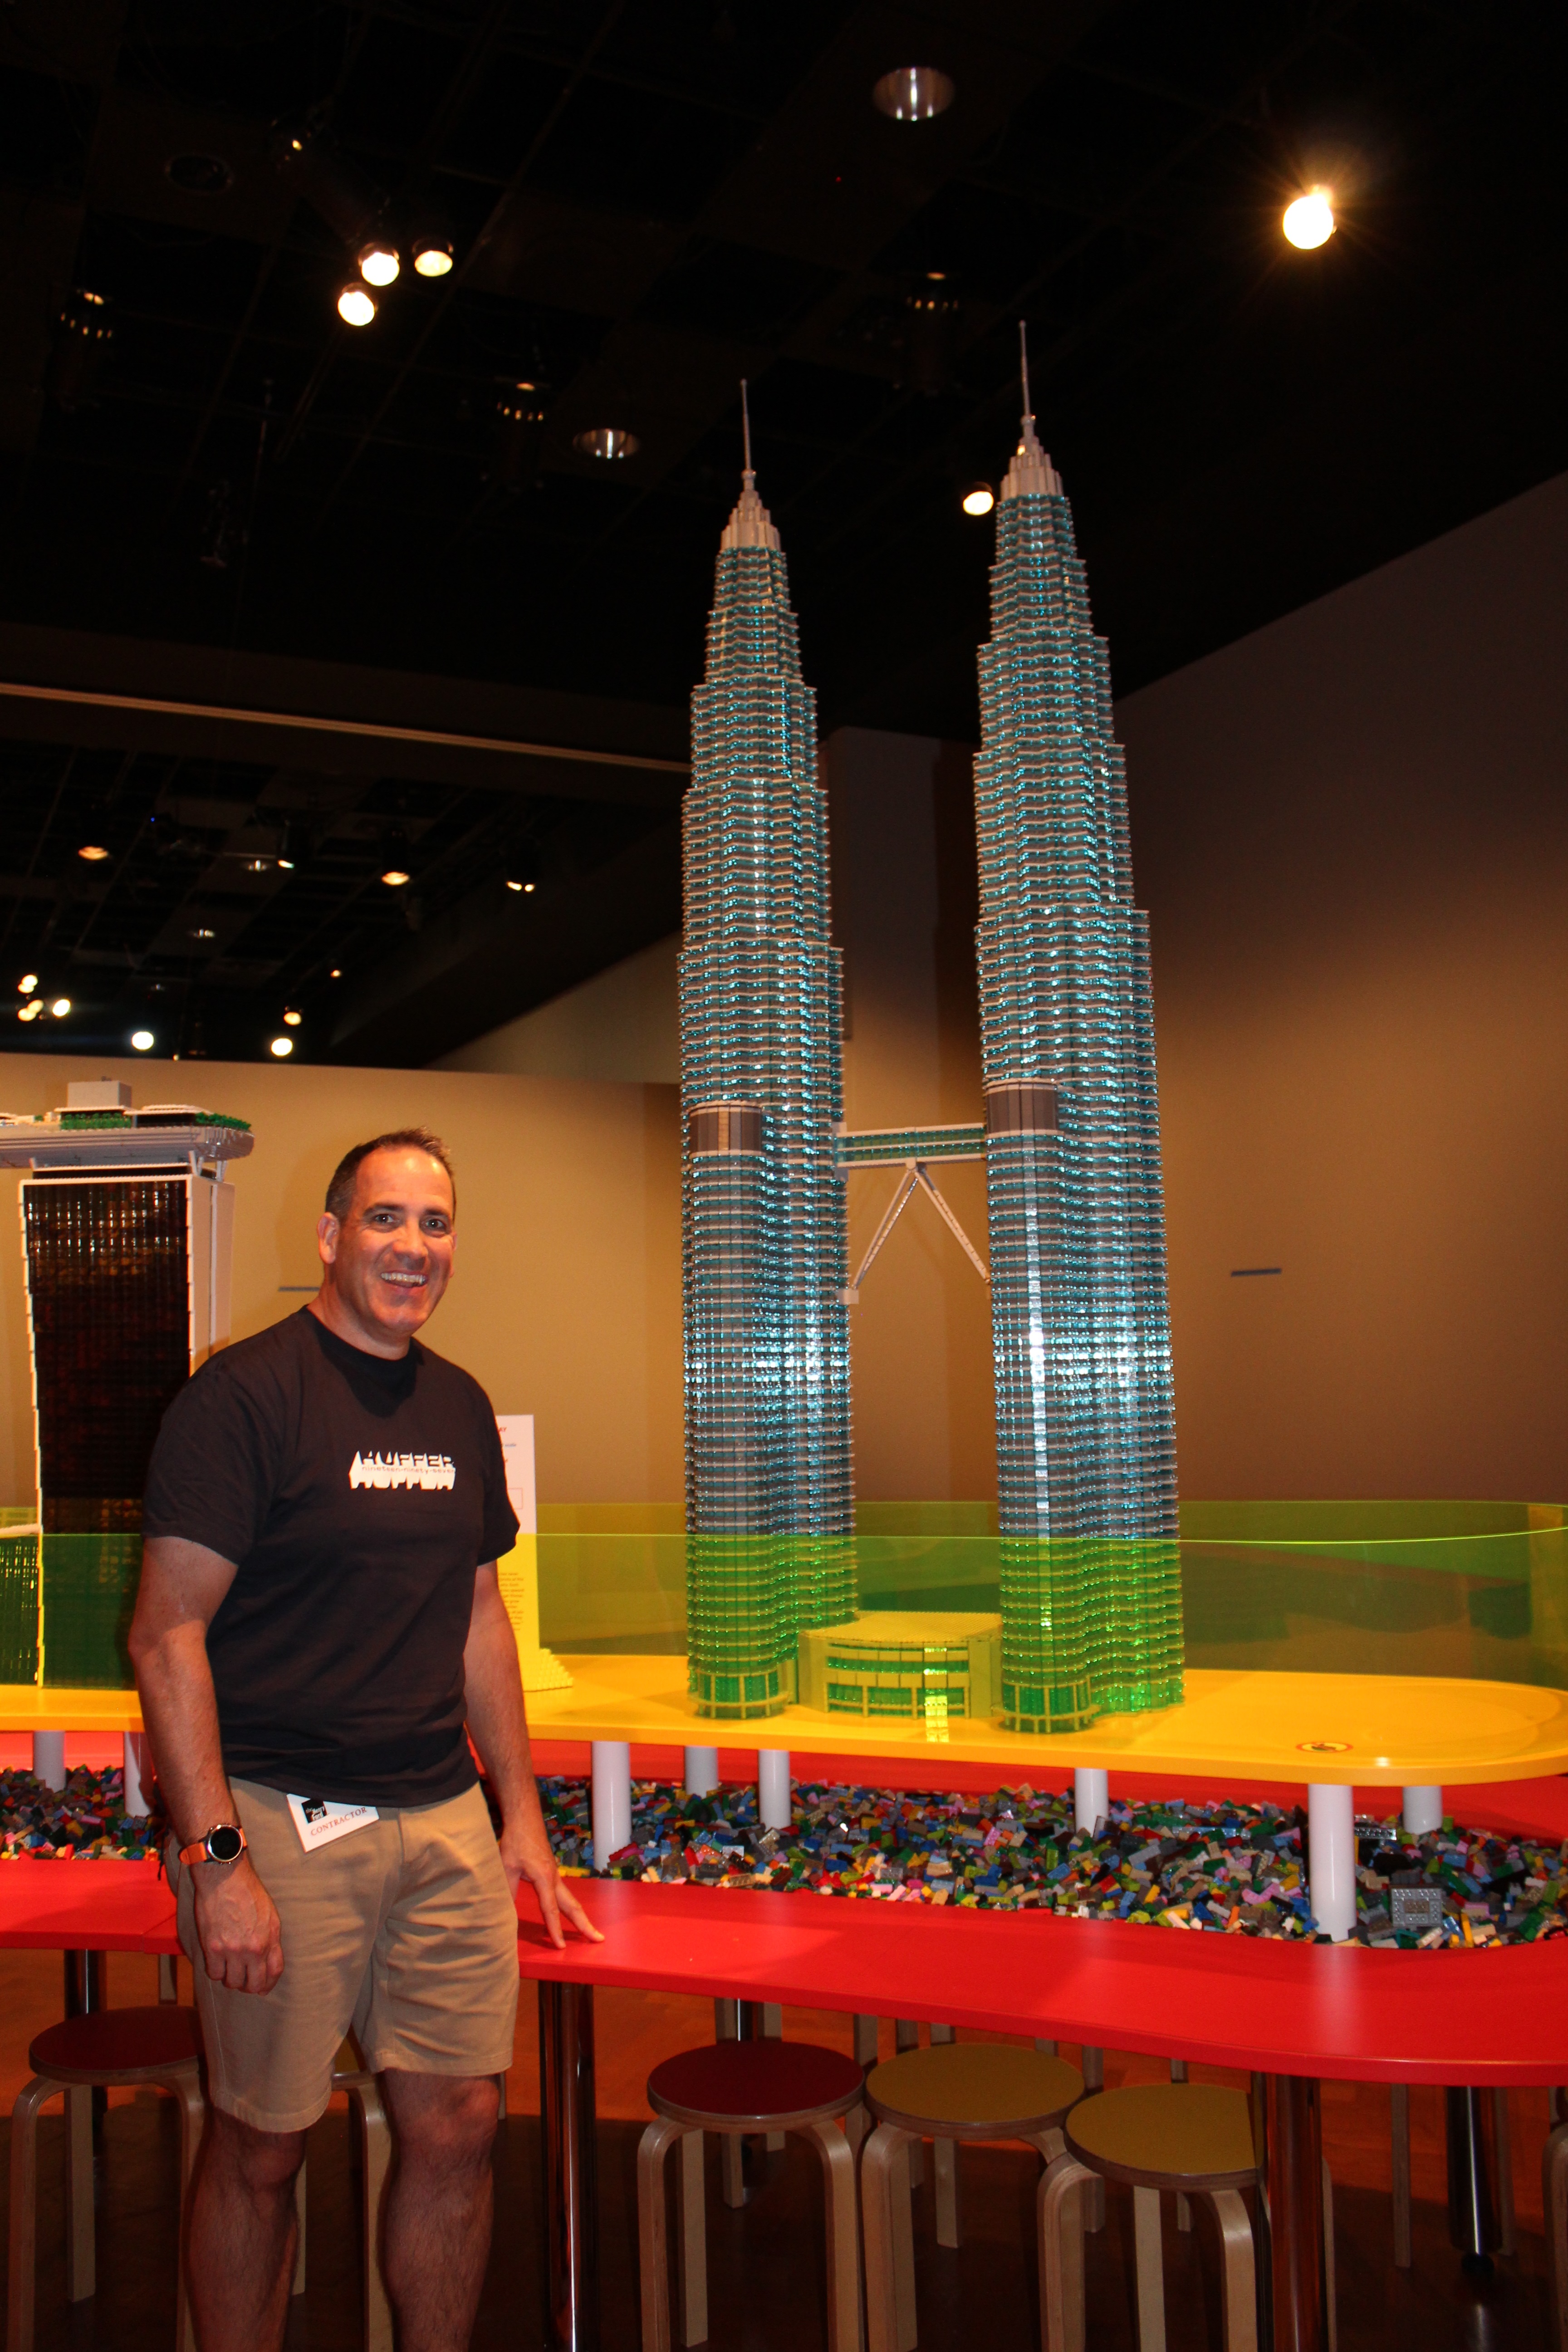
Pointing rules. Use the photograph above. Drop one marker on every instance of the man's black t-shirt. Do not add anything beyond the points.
(356, 1496)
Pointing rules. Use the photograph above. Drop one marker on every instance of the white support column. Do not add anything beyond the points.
(1090, 1796)
(1330, 1829)
(50, 1758)
(1423, 1810)
(612, 1799)
(138, 1774)
(773, 1788)
(701, 1772)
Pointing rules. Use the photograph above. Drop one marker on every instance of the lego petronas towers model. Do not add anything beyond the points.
(1085, 1422)
(769, 1507)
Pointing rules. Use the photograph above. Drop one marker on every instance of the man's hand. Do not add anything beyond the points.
(240, 1934)
(525, 1851)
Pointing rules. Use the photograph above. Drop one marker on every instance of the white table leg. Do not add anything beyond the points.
(701, 1772)
(1423, 1810)
(773, 1788)
(50, 1758)
(1331, 1825)
(1090, 1796)
(612, 1799)
(138, 1774)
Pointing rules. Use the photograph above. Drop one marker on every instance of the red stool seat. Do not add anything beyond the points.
(744, 2086)
(123, 2041)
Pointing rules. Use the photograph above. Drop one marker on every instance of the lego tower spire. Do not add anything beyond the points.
(750, 525)
(1031, 473)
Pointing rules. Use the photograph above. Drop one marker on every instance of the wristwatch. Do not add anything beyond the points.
(227, 1842)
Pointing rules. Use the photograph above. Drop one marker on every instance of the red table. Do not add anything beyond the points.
(1296, 2013)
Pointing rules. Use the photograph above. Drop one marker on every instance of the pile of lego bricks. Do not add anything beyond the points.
(84, 1821)
(1228, 1868)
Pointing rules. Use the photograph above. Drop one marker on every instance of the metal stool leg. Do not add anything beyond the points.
(81, 2269)
(1502, 2146)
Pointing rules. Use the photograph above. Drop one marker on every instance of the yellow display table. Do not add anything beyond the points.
(1411, 1732)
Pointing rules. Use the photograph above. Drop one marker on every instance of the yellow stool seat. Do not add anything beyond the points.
(1183, 2135)
(973, 2090)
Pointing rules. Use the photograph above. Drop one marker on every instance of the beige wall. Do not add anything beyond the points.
(624, 1024)
(1351, 831)
(566, 1300)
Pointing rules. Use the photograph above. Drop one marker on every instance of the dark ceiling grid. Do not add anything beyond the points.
(709, 194)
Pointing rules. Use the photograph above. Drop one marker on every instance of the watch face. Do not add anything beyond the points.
(225, 1844)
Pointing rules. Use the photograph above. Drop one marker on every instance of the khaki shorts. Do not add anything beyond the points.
(403, 1932)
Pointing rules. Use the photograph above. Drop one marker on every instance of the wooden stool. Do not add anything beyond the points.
(953, 2092)
(736, 2088)
(1192, 2138)
(108, 2047)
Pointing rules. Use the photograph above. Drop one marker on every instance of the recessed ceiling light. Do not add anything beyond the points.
(913, 93)
(60, 1007)
(30, 1011)
(979, 498)
(356, 304)
(395, 877)
(27, 982)
(91, 852)
(282, 1047)
(432, 254)
(336, 972)
(293, 1016)
(204, 931)
(379, 262)
(143, 1040)
(606, 441)
(1310, 221)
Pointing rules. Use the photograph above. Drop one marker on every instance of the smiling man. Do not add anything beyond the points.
(318, 1629)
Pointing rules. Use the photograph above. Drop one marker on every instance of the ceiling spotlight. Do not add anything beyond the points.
(82, 339)
(143, 1040)
(432, 253)
(527, 889)
(356, 304)
(913, 93)
(379, 262)
(395, 877)
(30, 1011)
(27, 982)
(979, 498)
(293, 1016)
(346, 200)
(606, 441)
(1310, 221)
(336, 972)
(93, 853)
(60, 1007)
(204, 931)
(282, 1047)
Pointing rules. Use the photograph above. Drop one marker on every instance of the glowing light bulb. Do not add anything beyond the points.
(378, 262)
(93, 853)
(979, 498)
(356, 304)
(282, 1047)
(27, 984)
(60, 1007)
(292, 1017)
(143, 1040)
(395, 877)
(1310, 221)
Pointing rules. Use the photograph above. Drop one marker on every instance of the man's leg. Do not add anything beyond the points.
(241, 2262)
(438, 2229)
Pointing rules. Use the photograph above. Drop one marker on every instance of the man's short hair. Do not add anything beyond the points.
(341, 1191)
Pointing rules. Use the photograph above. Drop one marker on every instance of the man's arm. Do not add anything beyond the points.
(498, 1724)
(182, 1586)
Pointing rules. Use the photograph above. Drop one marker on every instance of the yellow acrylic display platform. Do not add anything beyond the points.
(1391, 1730)
(1370, 1731)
